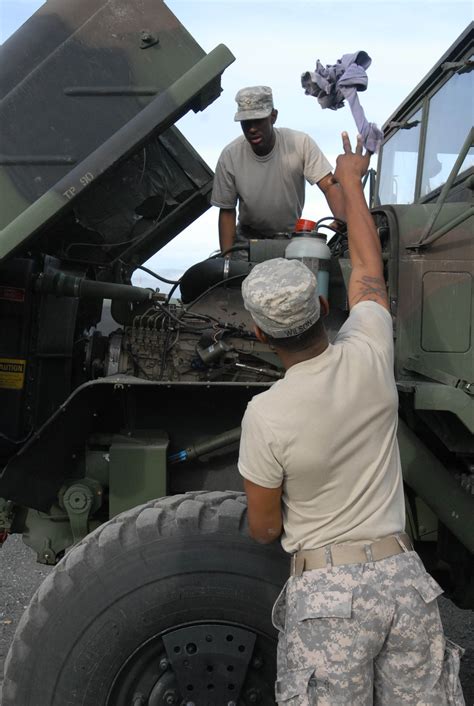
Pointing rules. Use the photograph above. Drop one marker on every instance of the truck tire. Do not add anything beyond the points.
(169, 597)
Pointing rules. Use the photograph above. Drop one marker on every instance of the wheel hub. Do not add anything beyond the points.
(210, 662)
(202, 664)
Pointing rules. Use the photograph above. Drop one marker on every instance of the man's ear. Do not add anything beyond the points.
(261, 336)
(274, 116)
(324, 304)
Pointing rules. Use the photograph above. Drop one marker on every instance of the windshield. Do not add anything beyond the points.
(399, 164)
(448, 114)
(449, 121)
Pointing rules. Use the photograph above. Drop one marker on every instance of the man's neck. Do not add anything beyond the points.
(290, 358)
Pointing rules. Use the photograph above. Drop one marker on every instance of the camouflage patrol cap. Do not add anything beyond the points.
(253, 103)
(281, 296)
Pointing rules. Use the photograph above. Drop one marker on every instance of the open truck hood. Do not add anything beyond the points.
(91, 167)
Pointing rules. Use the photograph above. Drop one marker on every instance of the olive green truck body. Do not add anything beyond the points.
(143, 417)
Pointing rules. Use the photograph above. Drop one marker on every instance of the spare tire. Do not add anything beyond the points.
(168, 603)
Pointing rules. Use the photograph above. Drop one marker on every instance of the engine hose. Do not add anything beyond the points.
(205, 274)
(64, 285)
(204, 447)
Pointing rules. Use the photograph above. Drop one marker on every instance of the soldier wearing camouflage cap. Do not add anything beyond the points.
(358, 621)
(281, 296)
(264, 173)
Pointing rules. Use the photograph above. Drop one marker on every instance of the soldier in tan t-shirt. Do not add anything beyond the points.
(358, 620)
(264, 171)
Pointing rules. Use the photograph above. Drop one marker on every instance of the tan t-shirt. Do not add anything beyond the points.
(327, 432)
(269, 189)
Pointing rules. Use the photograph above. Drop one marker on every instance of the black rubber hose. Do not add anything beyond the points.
(63, 285)
(204, 447)
(205, 274)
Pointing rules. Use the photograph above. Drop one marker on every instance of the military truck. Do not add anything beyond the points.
(119, 443)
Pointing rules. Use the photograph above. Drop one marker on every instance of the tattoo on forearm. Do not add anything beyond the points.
(372, 288)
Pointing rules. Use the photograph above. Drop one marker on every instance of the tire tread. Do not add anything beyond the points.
(187, 513)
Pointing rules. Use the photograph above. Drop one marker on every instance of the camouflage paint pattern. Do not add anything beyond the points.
(253, 103)
(365, 634)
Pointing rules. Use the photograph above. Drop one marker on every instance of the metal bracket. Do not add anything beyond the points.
(47, 555)
(370, 177)
(460, 67)
(417, 365)
(79, 500)
(210, 662)
(406, 125)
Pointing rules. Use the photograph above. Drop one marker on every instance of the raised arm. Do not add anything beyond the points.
(367, 280)
(334, 195)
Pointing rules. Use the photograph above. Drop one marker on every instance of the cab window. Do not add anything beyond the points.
(399, 164)
(449, 121)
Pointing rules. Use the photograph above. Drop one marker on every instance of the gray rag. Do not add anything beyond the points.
(332, 84)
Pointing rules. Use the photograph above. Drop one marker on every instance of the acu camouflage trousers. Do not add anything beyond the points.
(363, 634)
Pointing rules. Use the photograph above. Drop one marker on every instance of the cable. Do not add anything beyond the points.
(172, 290)
(178, 320)
(16, 441)
(156, 220)
(217, 284)
(207, 317)
(143, 169)
(210, 319)
(153, 274)
(332, 219)
(136, 240)
(334, 230)
(106, 246)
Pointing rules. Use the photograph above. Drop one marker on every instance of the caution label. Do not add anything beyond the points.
(12, 373)
(12, 294)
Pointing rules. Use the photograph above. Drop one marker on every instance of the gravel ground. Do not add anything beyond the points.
(20, 576)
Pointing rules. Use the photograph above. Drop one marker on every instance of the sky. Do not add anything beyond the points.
(274, 42)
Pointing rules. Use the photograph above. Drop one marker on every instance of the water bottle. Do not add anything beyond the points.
(311, 249)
